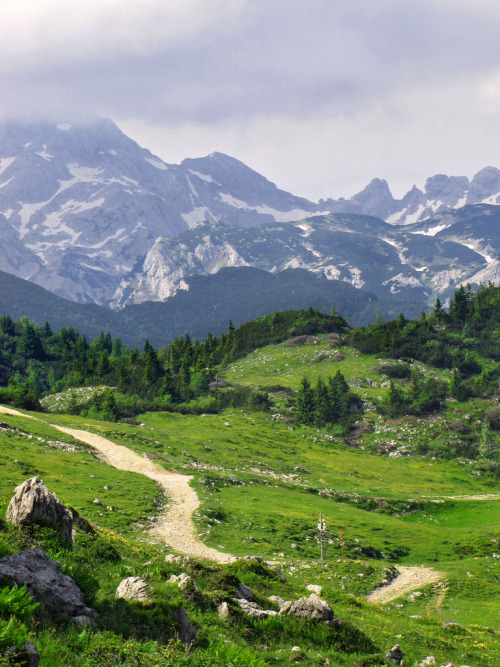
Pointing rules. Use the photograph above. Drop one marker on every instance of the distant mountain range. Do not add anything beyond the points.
(91, 216)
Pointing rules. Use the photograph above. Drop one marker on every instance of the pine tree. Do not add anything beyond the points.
(305, 407)
(322, 412)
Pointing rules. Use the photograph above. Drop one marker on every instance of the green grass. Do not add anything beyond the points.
(263, 481)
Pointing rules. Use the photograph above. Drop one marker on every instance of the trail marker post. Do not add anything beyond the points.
(321, 528)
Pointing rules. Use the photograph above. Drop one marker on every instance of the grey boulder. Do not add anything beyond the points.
(46, 583)
(34, 503)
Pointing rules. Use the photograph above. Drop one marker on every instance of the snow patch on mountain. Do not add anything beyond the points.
(158, 164)
(432, 231)
(5, 163)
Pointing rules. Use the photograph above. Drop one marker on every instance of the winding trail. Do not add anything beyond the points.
(409, 579)
(174, 526)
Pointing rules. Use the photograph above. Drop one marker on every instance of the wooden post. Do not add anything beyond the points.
(321, 528)
(342, 542)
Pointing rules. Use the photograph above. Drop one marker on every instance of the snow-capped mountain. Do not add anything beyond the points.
(407, 262)
(79, 204)
(441, 193)
(90, 215)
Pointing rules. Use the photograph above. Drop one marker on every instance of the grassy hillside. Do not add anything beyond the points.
(410, 490)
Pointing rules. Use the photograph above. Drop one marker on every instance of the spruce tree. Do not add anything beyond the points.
(305, 407)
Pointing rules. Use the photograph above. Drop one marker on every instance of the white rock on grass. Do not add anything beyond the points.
(133, 588)
(314, 588)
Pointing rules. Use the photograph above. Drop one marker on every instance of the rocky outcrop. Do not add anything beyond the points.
(133, 588)
(311, 607)
(47, 584)
(34, 503)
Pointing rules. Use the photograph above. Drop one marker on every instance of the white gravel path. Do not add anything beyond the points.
(409, 579)
(174, 526)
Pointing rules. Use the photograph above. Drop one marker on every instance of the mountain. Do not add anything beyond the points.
(412, 262)
(88, 214)
(441, 193)
(80, 203)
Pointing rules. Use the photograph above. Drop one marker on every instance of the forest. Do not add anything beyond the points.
(185, 376)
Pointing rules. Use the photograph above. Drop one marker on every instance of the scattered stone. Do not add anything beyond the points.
(296, 648)
(395, 655)
(277, 600)
(223, 610)
(96, 501)
(311, 607)
(251, 609)
(27, 656)
(46, 583)
(82, 621)
(187, 632)
(34, 503)
(133, 588)
(280, 574)
(170, 558)
(427, 662)
(293, 546)
(314, 588)
(182, 580)
(243, 592)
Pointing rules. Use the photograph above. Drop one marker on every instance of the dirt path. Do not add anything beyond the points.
(409, 579)
(174, 526)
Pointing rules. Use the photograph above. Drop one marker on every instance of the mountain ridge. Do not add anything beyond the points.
(88, 214)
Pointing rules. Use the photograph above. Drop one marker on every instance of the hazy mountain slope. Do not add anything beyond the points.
(239, 294)
(80, 203)
(403, 262)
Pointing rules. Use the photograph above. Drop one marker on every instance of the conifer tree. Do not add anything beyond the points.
(305, 407)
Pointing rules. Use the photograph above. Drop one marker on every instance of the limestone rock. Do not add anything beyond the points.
(277, 600)
(252, 609)
(34, 503)
(133, 588)
(223, 610)
(182, 580)
(311, 607)
(395, 655)
(314, 588)
(46, 583)
(187, 632)
(427, 662)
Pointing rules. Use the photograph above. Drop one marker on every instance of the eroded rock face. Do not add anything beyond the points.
(133, 588)
(311, 607)
(46, 583)
(34, 503)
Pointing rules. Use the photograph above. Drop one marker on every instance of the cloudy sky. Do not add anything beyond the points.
(320, 95)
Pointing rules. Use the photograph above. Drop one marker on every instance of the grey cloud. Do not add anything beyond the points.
(273, 57)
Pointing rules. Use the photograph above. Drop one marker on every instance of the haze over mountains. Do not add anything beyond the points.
(91, 216)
